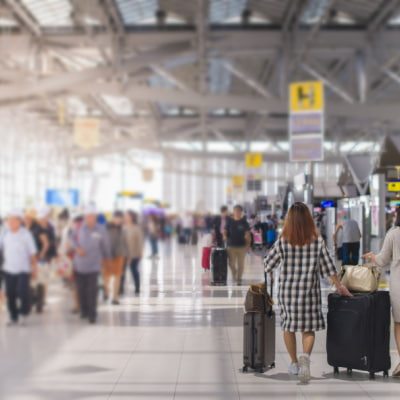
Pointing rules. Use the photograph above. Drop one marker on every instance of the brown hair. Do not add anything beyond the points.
(299, 228)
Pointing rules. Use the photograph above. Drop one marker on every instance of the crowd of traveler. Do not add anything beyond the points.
(33, 248)
(31, 245)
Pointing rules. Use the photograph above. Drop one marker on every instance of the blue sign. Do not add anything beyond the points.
(327, 204)
(63, 198)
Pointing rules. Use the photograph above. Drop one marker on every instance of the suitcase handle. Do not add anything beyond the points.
(266, 291)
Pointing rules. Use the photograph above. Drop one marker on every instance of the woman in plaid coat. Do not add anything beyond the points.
(303, 258)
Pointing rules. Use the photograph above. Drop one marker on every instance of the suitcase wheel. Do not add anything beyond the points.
(245, 369)
(349, 371)
(372, 376)
(261, 370)
(272, 365)
(386, 374)
(335, 370)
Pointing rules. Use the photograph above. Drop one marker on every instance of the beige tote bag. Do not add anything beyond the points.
(361, 278)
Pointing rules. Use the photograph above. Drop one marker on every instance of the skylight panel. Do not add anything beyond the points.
(50, 12)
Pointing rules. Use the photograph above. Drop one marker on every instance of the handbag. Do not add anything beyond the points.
(258, 299)
(361, 278)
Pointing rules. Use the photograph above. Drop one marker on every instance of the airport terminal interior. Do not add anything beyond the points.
(154, 157)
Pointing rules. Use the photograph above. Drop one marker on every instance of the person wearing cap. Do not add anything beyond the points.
(47, 251)
(91, 246)
(118, 243)
(237, 234)
(20, 264)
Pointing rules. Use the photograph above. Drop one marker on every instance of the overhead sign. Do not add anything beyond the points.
(306, 96)
(148, 174)
(394, 187)
(86, 132)
(254, 160)
(62, 198)
(128, 193)
(237, 181)
(306, 121)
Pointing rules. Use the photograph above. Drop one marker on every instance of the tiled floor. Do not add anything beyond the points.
(181, 339)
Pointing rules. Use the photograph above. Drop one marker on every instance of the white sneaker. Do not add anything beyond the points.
(24, 320)
(12, 322)
(304, 368)
(293, 369)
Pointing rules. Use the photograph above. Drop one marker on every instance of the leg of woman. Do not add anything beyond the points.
(397, 335)
(308, 342)
(291, 345)
(135, 273)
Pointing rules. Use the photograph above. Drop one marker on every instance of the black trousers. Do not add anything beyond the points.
(351, 253)
(135, 273)
(18, 288)
(87, 293)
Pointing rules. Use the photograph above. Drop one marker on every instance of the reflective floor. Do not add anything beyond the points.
(181, 339)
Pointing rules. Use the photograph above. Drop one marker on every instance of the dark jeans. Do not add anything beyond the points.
(87, 294)
(135, 273)
(154, 245)
(187, 233)
(17, 287)
(351, 253)
(122, 284)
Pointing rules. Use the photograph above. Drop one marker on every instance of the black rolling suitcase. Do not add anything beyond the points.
(219, 266)
(259, 338)
(358, 334)
(37, 297)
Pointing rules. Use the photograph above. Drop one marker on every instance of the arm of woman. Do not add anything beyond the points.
(328, 269)
(273, 258)
(45, 245)
(385, 255)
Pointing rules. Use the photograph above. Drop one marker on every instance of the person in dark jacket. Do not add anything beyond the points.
(219, 224)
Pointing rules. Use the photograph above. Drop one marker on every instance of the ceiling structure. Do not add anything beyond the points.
(202, 76)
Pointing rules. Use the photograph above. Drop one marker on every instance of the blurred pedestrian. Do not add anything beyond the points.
(119, 250)
(351, 241)
(91, 245)
(20, 264)
(219, 224)
(153, 229)
(237, 234)
(47, 252)
(135, 243)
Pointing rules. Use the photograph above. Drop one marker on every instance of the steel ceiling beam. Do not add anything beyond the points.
(328, 82)
(247, 79)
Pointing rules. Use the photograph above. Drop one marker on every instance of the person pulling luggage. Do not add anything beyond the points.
(237, 234)
(303, 258)
(91, 245)
(390, 252)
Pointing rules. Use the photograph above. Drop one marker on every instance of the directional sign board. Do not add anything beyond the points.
(394, 187)
(237, 181)
(254, 160)
(306, 121)
(306, 96)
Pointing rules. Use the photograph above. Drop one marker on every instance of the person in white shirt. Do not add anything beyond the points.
(20, 264)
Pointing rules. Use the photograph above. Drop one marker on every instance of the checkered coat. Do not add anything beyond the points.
(299, 293)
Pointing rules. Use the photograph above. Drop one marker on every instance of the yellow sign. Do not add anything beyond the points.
(86, 132)
(237, 180)
(394, 186)
(129, 193)
(306, 96)
(254, 160)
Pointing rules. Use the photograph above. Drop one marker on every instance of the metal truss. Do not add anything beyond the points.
(358, 63)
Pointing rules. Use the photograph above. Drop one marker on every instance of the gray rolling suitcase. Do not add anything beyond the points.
(259, 339)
